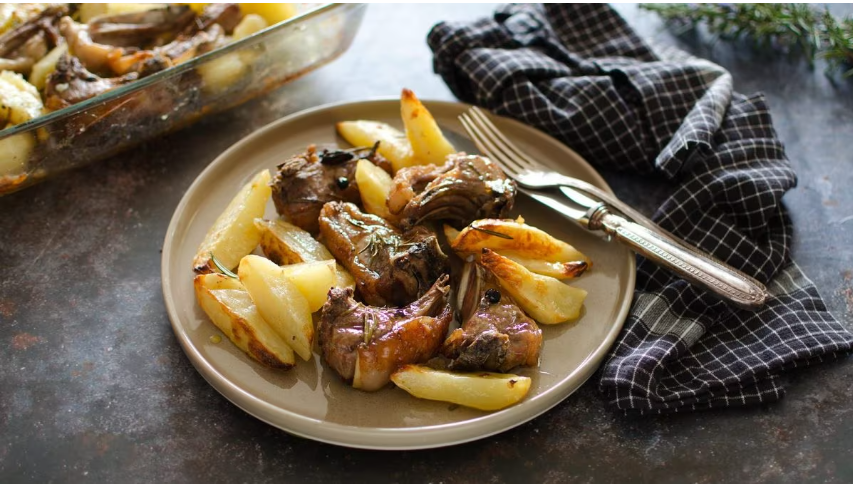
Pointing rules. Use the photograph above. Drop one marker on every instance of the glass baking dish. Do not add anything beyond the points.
(175, 98)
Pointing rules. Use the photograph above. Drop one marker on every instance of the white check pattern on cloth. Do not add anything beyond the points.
(578, 72)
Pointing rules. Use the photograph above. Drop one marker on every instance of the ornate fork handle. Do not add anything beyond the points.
(694, 265)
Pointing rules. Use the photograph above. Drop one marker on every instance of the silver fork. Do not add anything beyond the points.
(597, 210)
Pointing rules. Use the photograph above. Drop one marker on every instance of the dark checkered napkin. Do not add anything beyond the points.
(581, 74)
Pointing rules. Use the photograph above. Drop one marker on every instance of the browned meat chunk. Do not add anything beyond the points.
(466, 188)
(43, 24)
(306, 182)
(109, 59)
(141, 29)
(72, 83)
(366, 344)
(390, 268)
(496, 335)
(27, 43)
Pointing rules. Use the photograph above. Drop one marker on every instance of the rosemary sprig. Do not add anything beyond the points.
(792, 26)
(373, 244)
(219, 266)
(369, 326)
(337, 157)
(491, 232)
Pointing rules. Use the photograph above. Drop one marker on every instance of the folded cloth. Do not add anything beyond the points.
(579, 73)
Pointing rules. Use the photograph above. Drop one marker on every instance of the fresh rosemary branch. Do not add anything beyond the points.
(792, 26)
(222, 268)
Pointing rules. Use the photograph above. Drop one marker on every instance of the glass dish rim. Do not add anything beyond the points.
(83, 106)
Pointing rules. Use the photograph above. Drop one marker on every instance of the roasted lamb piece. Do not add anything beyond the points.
(24, 45)
(149, 27)
(105, 58)
(366, 344)
(71, 83)
(307, 181)
(496, 334)
(465, 188)
(391, 268)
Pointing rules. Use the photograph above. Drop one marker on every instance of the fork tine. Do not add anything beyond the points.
(486, 146)
(475, 136)
(512, 150)
(500, 149)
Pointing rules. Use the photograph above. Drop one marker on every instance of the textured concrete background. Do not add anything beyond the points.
(94, 387)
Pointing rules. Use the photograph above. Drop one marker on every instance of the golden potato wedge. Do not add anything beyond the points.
(285, 243)
(218, 281)
(231, 309)
(250, 24)
(483, 391)
(279, 302)
(343, 279)
(46, 65)
(374, 185)
(273, 13)
(393, 144)
(428, 143)
(313, 279)
(14, 153)
(516, 237)
(545, 299)
(558, 270)
(234, 234)
(451, 234)
(220, 74)
(20, 101)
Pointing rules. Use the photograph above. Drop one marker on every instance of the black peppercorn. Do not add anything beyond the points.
(493, 296)
(343, 183)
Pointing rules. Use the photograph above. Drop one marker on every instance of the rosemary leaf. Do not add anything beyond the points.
(221, 267)
(493, 233)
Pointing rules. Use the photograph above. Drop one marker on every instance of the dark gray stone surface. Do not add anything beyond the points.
(94, 386)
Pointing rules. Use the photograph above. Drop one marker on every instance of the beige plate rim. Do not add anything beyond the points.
(406, 438)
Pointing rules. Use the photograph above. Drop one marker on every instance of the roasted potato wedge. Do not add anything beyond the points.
(450, 233)
(313, 279)
(483, 391)
(428, 143)
(231, 309)
(393, 144)
(558, 270)
(46, 65)
(374, 185)
(516, 237)
(20, 101)
(285, 244)
(545, 299)
(273, 13)
(220, 74)
(250, 24)
(279, 302)
(343, 278)
(14, 153)
(234, 234)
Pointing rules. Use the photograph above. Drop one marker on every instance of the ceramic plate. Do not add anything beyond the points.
(311, 400)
